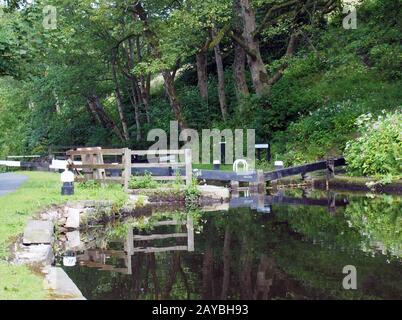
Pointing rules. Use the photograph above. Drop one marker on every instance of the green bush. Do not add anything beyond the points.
(378, 149)
(143, 182)
(192, 195)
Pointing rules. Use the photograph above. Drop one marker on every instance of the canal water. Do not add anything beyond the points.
(291, 245)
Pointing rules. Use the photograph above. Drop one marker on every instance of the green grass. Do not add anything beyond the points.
(20, 283)
(38, 192)
(201, 166)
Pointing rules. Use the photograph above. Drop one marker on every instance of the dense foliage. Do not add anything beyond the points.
(378, 150)
(111, 71)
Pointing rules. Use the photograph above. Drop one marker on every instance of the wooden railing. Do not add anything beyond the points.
(94, 168)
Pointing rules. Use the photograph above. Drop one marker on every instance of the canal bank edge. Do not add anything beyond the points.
(341, 183)
(36, 247)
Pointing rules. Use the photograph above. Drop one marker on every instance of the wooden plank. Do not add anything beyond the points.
(190, 233)
(157, 165)
(105, 152)
(105, 180)
(97, 166)
(221, 175)
(310, 167)
(10, 163)
(159, 236)
(159, 172)
(164, 249)
(169, 223)
(22, 157)
(155, 152)
(129, 244)
(114, 253)
(127, 168)
(164, 178)
(189, 167)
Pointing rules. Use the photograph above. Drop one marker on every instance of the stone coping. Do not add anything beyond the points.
(35, 249)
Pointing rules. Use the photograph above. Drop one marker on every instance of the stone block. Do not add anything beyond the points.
(61, 285)
(35, 254)
(214, 192)
(38, 232)
(73, 218)
(73, 240)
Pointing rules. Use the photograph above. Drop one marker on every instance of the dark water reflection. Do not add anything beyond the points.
(264, 247)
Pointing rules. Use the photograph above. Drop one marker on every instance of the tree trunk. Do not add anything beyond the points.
(258, 71)
(239, 72)
(136, 95)
(143, 82)
(119, 101)
(226, 264)
(289, 53)
(172, 95)
(168, 77)
(172, 275)
(221, 79)
(207, 270)
(136, 110)
(97, 108)
(246, 266)
(92, 112)
(201, 58)
(152, 266)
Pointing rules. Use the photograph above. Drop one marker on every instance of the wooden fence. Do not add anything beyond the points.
(93, 166)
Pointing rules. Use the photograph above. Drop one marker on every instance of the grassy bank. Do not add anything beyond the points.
(41, 190)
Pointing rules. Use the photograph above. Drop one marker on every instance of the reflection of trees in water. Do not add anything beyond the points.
(379, 221)
(243, 254)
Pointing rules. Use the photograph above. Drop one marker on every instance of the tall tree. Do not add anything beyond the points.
(168, 71)
(201, 61)
(295, 11)
(239, 64)
(221, 78)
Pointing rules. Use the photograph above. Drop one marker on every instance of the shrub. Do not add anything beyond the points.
(143, 182)
(192, 195)
(378, 150)
(89, 185)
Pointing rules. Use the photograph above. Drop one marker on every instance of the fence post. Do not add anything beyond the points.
(190, 233)
(259, 184)
(189, 166)
(127, 168)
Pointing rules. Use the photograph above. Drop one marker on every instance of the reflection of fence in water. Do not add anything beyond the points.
(94, 258)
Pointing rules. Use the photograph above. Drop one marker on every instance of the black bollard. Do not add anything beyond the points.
(223, 151)
(67, 189)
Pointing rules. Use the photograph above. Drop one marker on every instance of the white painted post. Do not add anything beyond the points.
(127, 168)
(189, 166)
(260, 181)
(190, 234)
